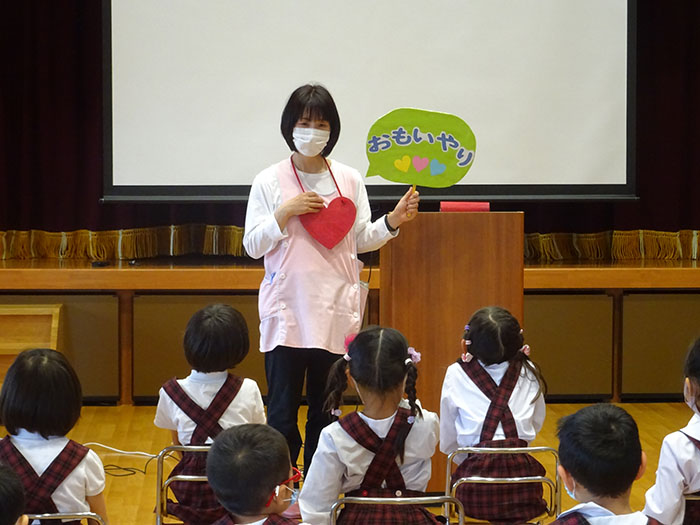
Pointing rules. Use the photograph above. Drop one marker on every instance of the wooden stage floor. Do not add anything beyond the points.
(131, 498)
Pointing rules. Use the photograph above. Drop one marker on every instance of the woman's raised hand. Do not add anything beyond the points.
(406, 209)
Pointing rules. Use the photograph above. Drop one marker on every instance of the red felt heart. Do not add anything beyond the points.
(330, 225)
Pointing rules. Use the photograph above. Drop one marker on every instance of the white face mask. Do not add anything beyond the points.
(310, 141)
(688, 395)
(571, 493)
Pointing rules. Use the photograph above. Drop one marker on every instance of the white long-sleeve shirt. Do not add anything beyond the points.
(262, 232)
(678, 473)
(463, 407)
(340, 463)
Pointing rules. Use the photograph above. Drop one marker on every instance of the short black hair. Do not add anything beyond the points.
(216, 338)
(245, 464)
(312, 101)
(41, 393)
(599, 446)
(11, 496)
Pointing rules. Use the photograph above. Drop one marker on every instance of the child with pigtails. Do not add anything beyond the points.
(493, 396)
(384, 450)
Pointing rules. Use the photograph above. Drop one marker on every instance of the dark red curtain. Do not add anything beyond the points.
(51, 129)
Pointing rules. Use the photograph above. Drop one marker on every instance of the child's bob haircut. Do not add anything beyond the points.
(11, 496)
(245, 464)
(599, 446)
(41, 393)
(216, 338)
(315, 102)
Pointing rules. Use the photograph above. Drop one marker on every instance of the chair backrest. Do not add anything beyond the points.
(553, 483)
(162, 485)
(68, 516)
(428, 501)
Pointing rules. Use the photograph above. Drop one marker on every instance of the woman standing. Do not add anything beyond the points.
(311, 297)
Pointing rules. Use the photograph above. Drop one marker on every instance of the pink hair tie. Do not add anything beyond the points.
(414, 356)
(349, 339)
(526, 350)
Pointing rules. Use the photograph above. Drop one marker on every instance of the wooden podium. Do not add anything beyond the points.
(434, 275)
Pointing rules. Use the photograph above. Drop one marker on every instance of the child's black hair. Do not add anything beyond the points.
(41, 393)
(599, 446)
(216, 338)
(245, 464)
(691, 369)
(11, 496)
(494, 336)
(310, 101)
(379, 362)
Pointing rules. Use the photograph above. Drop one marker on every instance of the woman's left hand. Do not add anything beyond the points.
(405, 210)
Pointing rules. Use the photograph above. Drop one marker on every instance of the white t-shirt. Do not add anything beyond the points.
(463, 407)
(340, 463)
(201, 387)
(87, 479)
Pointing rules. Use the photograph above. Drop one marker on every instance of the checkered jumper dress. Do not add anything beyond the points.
(273, 519)
(499, 503)
(196, 503)
(38, 489)
(382, 469)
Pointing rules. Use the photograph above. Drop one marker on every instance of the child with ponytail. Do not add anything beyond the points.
(383, 450)
(493, 396)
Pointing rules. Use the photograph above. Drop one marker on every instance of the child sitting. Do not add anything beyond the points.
(678, 473)
(493, 397)
(249, 469)
(382, 451)
(11, 498)
(600, 456)
(197, 408)
(40, 403)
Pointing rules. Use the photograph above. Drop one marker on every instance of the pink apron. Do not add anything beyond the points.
(311, 297)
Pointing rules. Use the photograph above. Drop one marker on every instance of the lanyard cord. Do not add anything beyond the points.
(329, 171)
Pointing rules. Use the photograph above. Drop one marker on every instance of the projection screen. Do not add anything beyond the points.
(193, 91)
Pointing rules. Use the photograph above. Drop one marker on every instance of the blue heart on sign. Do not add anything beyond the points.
(436, 167)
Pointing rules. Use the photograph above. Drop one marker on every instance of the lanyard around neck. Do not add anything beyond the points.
(329, 171)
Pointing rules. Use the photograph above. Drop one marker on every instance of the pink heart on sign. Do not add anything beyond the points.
(420, 162)
(330, 225)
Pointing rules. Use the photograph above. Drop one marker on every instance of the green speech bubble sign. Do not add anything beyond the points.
(425, 148)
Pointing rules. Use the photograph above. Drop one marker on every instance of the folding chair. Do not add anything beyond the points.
(68, 516)
(433, 501)
(162, 489)
(554, 485)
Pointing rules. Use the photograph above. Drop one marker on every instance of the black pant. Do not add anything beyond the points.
(285, 368)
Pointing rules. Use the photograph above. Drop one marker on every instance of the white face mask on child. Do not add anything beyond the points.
(688, 395)
(571, 493)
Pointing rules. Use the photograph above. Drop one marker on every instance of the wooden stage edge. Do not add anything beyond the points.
(244, 275)
(241, 275)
